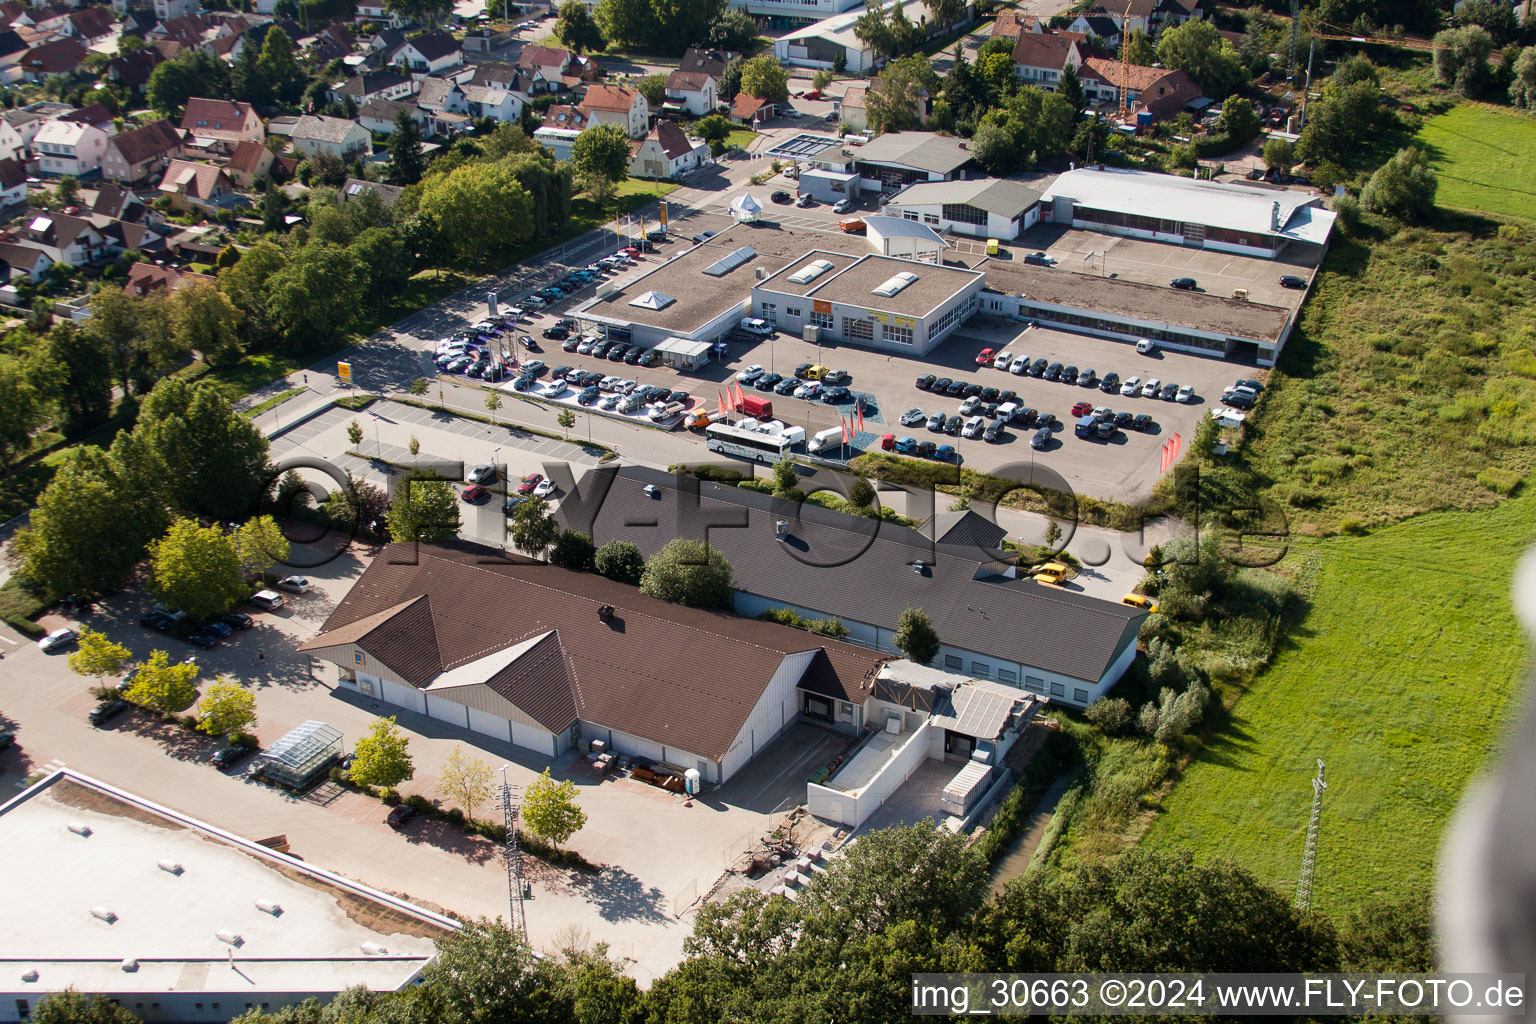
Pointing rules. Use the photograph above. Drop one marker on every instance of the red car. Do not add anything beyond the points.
(473, 493)
(814, 94)
(1082, 409)
(984, 357)
(631, 252)
(529, 483)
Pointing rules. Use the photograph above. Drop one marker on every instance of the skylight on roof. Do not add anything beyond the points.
(894, 284)
(653, 300)
(41, 224)
(724, 266)
(810, 272)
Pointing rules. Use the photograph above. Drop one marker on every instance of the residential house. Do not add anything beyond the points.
(952, 567)
(59, 57)
(428, 54)
(12, 146)
(17, 259)
(375, 11)
(189, 31)
(66, 147)
(387, 84)
(29, 120)
(378, 115)
(332, 43)
(666, 152)
(546, 66)
(12, 49)
(250, 162)
(746, 109)
(1039, 58)
(131, 70)
(1011, 24)
(1149, 16)
(226, 121)
(341, 138)
(10, 10)
(854, 110)
(113, 202)
(167, 9)
(90, 25)
(66, 239)
(95, 115)
(692, 92)
(13, 182)
(387, 41)
(53, 21)
(508, 76)
(440, 96)
(614, 104)
(132, 237)
(492, 101)
(1161, 92)
(355, 187)
(144, 278)
(1099, 26)
(134, 157)
(193, 186)
(706, 60)
(573, 654)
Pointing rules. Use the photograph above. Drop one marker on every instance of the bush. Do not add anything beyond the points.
(240, 738)
(1499, 481)
(421, 803)
(1111, 715)
(832, 627)
(783, 616)
(390, 796)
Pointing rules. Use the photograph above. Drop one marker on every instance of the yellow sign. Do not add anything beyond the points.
(663, 215)
(821, 306)
(884, 318)
(903, 321)
(344, 371)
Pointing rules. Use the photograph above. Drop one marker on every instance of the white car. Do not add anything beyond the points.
(545, 488)
(1002, 359)
(1186, 394)
(1131, 386)
(1019, 365)
(973, 427)
(1151, 388)
(57, 639)
(585, 348)
(533, 366)
(750, 374)
(970, 405)
(556, 388)
(293, 584)
(810, 389)
(481, 474)
(535, 302)
(608, 383)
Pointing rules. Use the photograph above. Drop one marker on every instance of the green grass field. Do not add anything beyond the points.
(1400, 677)
(1482, 155)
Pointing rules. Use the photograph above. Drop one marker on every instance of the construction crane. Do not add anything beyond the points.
(1125, 62)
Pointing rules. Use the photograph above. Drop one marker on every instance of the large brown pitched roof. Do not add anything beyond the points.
(684, 677)
(154, 139)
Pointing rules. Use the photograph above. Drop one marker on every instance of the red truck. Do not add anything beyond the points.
(752, 405)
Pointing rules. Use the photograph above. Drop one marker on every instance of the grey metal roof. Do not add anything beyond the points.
(923, 150)
(994, 195)
(900, 227)
(862, 570)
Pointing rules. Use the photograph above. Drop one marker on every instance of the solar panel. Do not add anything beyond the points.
(729, 263)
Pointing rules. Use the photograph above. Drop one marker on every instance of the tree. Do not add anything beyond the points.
(162, 686)
(194, 568)
(406, 162)
(626, 21)
(715, 129)
(897, 99)
(567, 420)
(22, 411)
(915, 636)
(1279, 155)
(1461, 58)
(764, 78)
(381, 758)
(248, 80)
(1238, 120)
(654, 89)
(1336, 123)
(315, 295)
(735, 31)
(1139, 48)
(730, 79)
(1522, 88)
(388, 262)
(576, 28)
(478, 204)
(214, 459)
(861, 494)
(70, 1007)
(67, 192)
(1029, 125)
(1197, 48)
(1071, 86)
(1399, 936)
(573, 550)
(359, 505)
(260, 544)
(114, 323)
(279, 66)
(355, 433)
(688, 572)
(423, 509)
(1354, 68)
(484, 972)
(493, 403)
(98, 655)
(821, 79)
(78, 381)
(533, 528)
(620, 560)
(549, 809)
(1403, 187)
(204, 320)
(226, 709)
(190, 73)
(785, 478)
(602, 152)
(465, 779)
(1498, 19)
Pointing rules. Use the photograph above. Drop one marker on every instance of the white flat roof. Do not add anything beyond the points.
(1220, 204)
(839, 27)
(331, 933)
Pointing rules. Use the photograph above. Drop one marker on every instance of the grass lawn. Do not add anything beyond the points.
(1400, 677)
(740, 138)
(1483, 157)
(631, 194)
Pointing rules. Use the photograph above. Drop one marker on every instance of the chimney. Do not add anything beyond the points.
(605, 612)
(781, 529)
(1274, 217)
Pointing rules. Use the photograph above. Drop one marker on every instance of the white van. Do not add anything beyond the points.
(1146, 346)
(267, 600)
(667, 411)
(973, 427)
(1006, 411)
(753, 325)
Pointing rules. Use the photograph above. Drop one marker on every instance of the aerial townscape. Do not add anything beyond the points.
(426, 594)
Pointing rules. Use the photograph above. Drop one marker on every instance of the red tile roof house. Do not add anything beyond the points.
(135, 157)
(59, 57)
(571, 656)
(1161, 91)
(249, 162)
(666, 152)
(72, 240)
(745, 109)
(223, 121)
(192, 186)
(144, 278)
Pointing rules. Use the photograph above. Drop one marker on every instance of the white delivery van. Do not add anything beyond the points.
(793, 435)
(665, 411)
(753, 325)
(1006, 410)
(832, 437)
(1146, 346)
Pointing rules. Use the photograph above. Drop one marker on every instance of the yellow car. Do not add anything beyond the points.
(1045, 577)
(817, 372)
(1139, 601)
(1056, 570)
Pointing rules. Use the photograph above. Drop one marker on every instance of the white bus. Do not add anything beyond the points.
(748, 444)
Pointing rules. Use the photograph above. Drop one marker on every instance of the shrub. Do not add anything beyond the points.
(390, 796)
(455, 816)
(1499, 481)
(1353, 527)
(832, 627)
(1111, 715)
(421, 803)
(241, 738)
(783, 616)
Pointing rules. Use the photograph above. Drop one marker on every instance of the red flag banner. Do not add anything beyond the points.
(720, 399)
(844, 424)
(1178, 445)
(1166, 449)
(861, 415)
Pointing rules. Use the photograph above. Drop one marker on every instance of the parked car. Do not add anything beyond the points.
(473, 493)
(1081, 409)
(571, 344)
(617, 353)
(1018, 365)
(1186, 394)
(398, 816)
(1169, 392)
(1292, 281)
(228, 757)
(837, 377)
(1041, 438)
(651, 357)
(1069, 374)
(750, 374)
(806, 201)
(237, 620)
(556, 333)
(106, 711)
(58, 639)
(1037, 368)
(158, 622)
(984, 357)
(973, 427)
(936, 421)
(1151, 388)
(1087, 378)
(925, 449)
(834, 395)
(1001, 360)
(482, 475)
(787, 386)
(994, 432)
(530, 481)
(1132, 386)
(1110, 384)
(781, 197)
(803, 371)
(1187, 284)
(912, 417)
(1251, 385)
(809, 390)
(941, 386)
(842, 206)
(1053, 372)
(952, 425)
(1142, 422)
(945, 453)
(956, 388)
(1039, 259)
(905, 445)
(925, 382)
(969, 405)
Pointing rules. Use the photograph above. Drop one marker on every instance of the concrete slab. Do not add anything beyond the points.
(915, 799)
